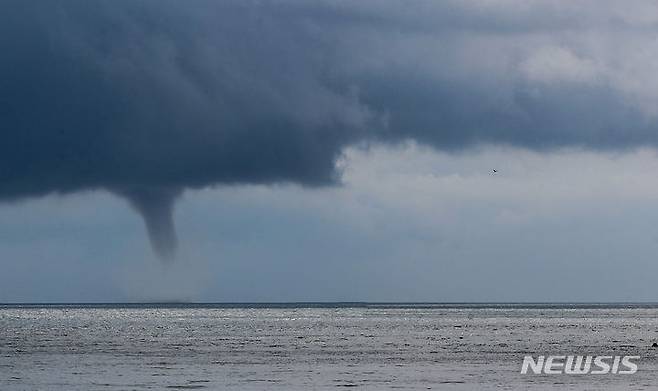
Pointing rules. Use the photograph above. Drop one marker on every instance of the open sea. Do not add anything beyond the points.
(318, 346)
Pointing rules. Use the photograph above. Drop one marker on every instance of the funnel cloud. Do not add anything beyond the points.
(148, 99)
(156, 206)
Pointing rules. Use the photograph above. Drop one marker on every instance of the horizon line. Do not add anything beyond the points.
(344, 304)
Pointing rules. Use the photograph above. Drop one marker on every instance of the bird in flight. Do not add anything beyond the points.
(495, 171)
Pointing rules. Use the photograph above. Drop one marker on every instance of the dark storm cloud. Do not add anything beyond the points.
(149, 98)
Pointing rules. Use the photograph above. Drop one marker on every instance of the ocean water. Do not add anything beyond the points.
(317, 347)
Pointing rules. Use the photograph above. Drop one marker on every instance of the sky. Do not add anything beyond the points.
(328, 151)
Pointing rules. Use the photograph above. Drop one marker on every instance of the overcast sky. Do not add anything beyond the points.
(310, 151)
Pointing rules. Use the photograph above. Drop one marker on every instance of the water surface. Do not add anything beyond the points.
(317, 346)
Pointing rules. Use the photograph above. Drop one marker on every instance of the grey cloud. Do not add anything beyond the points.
(146, 99)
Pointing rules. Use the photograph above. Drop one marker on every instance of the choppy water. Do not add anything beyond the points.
(466, 347)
